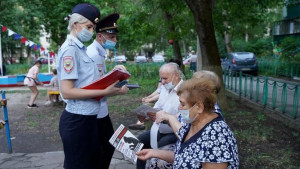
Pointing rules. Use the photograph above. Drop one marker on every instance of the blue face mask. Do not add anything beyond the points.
(108, 44)
(169, 86)
(185, 115)
(84, 35)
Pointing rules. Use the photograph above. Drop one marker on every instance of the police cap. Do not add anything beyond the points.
(108, 24)
(87, 10)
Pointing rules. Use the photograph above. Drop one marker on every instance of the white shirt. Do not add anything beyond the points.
(97, 53)
(168, 102)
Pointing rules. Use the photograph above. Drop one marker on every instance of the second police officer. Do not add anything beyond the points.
(106, 38)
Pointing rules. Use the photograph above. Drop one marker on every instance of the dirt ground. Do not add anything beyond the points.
(263, 140)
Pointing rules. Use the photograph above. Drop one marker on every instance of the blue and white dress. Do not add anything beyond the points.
(214, 143)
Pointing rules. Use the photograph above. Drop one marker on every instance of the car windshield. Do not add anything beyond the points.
(243, 56)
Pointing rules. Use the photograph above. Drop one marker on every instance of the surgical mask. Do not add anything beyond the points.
(84, 35)
(169, 86)
(185, 116)
(108, 44)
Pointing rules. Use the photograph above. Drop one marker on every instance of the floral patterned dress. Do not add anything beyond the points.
(214, 143)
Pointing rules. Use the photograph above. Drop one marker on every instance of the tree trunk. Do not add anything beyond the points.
(202, 11)
(226, 33)
(28, 55)
(184, 48)
(175, 45)
(246, 34)
(199, 56)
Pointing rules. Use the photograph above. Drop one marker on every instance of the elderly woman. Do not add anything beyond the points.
(205, 140)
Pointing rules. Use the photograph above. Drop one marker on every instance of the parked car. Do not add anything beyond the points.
(44, 60)
(141, 59)
(121, 59)
(241, 61)
(158, 58)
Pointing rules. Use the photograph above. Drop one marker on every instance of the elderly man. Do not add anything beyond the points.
(169, 102)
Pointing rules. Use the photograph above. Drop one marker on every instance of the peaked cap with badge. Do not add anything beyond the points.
(108, 24)
(89, 11)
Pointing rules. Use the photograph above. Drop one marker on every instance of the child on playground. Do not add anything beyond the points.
(31, 80)
(53, 86)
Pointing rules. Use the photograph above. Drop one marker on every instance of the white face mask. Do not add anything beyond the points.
(169, 86)
(185, 115)
(84, 35)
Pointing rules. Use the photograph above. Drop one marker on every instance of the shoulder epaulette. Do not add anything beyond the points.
(70, 42)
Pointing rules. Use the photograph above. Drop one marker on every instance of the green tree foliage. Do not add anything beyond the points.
(289, 49)
(23, 18)
(251, 18)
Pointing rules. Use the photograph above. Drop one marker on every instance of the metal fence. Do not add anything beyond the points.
(279, 68)
(277, 94)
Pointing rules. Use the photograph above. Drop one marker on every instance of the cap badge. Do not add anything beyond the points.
(96, 20)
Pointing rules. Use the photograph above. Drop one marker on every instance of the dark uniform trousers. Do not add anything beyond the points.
(79, 134)
(105, 131)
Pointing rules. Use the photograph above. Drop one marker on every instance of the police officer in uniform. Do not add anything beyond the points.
(78, 122)
(106, 38)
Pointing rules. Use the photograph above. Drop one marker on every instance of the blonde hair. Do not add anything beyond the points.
(75, 17)
(210, 76)
(195, 90)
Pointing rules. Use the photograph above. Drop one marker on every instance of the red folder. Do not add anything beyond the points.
(107, 80)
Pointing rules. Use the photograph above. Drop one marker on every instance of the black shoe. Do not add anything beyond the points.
(136, 127)
(32, 106)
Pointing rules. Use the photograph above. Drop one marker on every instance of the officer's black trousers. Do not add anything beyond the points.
(105, 130)
(79, 134)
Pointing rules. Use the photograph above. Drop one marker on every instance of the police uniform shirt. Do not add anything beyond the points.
(75, 64)
(97, 53)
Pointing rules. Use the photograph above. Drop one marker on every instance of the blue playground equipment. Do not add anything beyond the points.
(3, 103)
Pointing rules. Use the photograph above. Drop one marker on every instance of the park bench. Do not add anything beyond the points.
(55, 92)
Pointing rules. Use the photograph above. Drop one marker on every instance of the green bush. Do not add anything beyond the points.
(15, 69)
(290, 49)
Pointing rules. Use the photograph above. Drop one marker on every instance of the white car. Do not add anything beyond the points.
(158, 58)
(141, 59)
(120, 59)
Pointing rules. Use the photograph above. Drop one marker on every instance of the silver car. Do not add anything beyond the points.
(141, 59)
(158, 58)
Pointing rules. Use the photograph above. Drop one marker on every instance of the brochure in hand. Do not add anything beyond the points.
(143, 109)
(125, 142)
(107, 80)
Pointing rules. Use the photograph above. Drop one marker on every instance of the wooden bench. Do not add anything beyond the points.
(53, 92)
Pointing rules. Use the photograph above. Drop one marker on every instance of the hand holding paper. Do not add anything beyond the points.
(162, 116)
(112, 78)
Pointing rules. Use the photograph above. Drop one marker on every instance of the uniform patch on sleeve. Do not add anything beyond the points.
(68, 63)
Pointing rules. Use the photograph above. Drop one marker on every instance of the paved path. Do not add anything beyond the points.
(50, 160)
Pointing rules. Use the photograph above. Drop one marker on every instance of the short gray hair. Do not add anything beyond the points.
(171, 67)
(75, 17)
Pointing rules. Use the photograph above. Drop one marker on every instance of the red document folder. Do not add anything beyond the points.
(107, 80)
